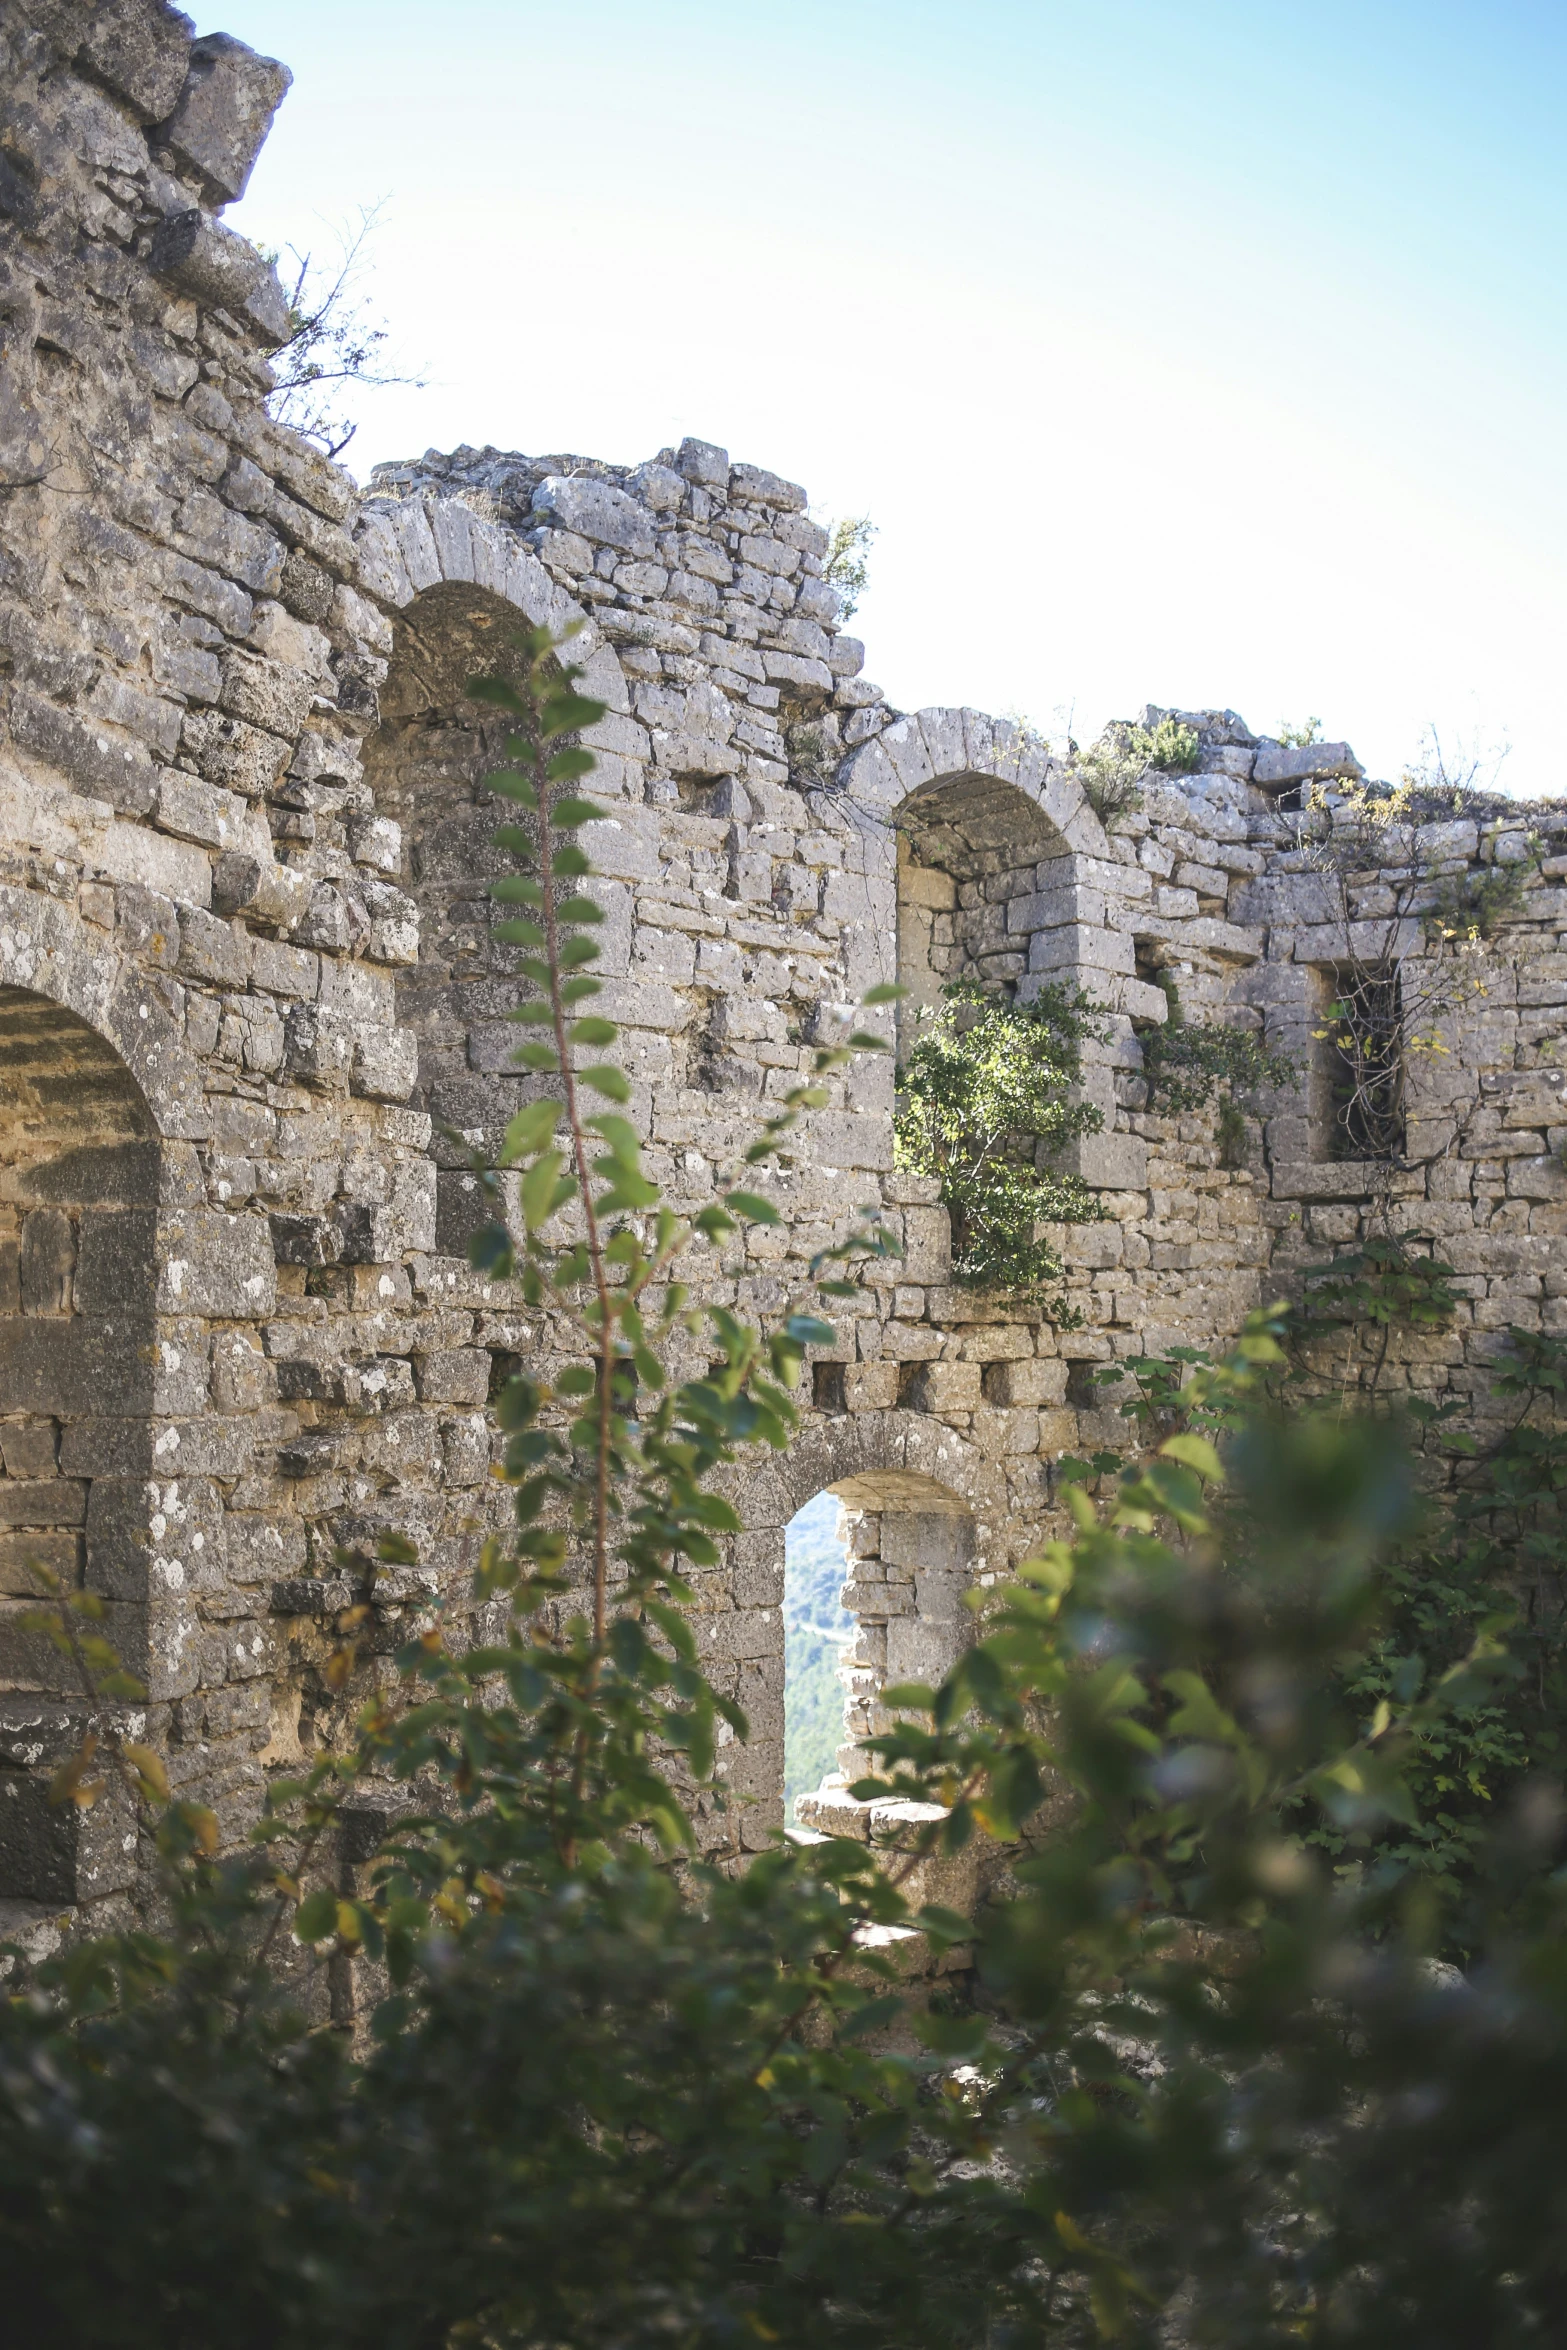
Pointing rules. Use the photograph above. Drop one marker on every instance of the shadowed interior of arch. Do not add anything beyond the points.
(79, 1184)
(981, 869)
(875, 1571)
(62, 1086)
(425, 764)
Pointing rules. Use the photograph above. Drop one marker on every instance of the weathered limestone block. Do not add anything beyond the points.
(211, 1263)
(752, 485)
(597, 511)
(148, 1535)
(385, 1063)
(221, 271)
(224, 113)
(141, 49)
(385, 1233)
(51, 1852)
(88, 1365)
(459, 1376)
(319, 1046)
(260, 888)
(1276, 765)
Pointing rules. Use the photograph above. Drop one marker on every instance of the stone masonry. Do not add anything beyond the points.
(248, 986)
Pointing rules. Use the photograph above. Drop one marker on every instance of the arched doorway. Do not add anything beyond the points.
(79, 1185)
(819, 1631)
(907, 1547)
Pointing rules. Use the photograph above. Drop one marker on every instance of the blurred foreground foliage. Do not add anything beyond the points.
(1203, 2083)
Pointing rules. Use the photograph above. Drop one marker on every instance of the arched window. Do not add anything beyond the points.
(902, 1546)
(425, 764)
(984, 879)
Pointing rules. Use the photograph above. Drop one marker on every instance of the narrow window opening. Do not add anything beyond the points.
(818, 1633)
(876, 1570)
(1362, 1066)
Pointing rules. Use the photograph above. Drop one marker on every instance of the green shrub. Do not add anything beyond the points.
(847, 562)
(1113, 770)
(1483, 1560)
(986, 1089)
(1476, 905)
(1188, 1064)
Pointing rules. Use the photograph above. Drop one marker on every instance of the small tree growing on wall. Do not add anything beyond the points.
(1188, 1064)
(847, 563)
(1112, 772)
(335, 342)
(984, 1101)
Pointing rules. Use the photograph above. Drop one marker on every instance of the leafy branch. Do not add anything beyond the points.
(1187, 1064)
(334, 341)
(846, 564)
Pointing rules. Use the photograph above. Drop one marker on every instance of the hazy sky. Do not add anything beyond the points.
(1191, 353)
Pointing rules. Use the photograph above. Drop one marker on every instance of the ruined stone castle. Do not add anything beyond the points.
(248, 987)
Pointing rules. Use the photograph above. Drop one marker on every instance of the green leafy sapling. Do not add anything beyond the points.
(846, 564)
(1113, 770)
(984, 1102)
(1188, 1064)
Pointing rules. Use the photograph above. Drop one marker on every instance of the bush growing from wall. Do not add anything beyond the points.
(1112, 771)
(983, 1098)
(1190, 1064)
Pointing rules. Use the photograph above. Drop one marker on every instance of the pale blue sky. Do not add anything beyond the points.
(1181, 352)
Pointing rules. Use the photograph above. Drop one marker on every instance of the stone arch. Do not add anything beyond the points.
(47, 950)
(932, 748)
(458, 586)
(1042, 897)
(946, 1505)
(990, 839)
(407, 546)
(117, 1283)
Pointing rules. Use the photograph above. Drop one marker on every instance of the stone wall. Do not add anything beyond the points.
(248, 983)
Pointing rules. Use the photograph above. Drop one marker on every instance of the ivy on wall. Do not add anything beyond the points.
(1188, 1064)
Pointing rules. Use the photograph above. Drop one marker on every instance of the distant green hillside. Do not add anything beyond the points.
(817, 1628)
